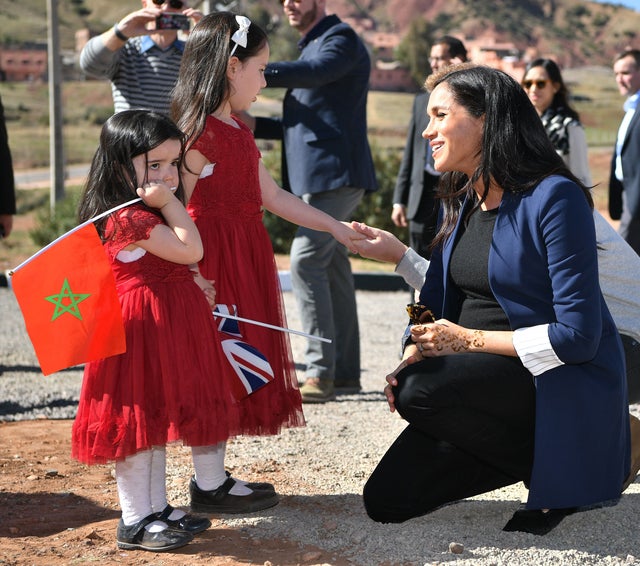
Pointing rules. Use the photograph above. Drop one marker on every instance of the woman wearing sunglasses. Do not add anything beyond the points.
(547, 92)
(141, 54)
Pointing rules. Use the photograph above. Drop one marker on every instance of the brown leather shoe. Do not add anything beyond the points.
(634, 425)
(316, 390)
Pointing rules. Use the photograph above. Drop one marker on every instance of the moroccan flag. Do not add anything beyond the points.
(67, 295)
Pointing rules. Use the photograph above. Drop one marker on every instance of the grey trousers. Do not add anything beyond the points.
(323, 285)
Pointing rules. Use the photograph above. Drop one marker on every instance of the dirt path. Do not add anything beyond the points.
(57, 511)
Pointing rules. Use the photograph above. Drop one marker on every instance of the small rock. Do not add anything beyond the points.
(456, 548)
(310, 556)
(51, 473)
(32, 477)
(93, 535)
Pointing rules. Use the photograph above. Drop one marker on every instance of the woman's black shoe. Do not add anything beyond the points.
(189, 523)
(536, 521)
(136, 537)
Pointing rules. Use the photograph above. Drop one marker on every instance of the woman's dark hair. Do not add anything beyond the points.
(112, 177)
(515, 152)
(561, 97)
(202, 82)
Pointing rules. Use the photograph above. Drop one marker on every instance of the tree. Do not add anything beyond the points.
(283, 39)
(414, 49)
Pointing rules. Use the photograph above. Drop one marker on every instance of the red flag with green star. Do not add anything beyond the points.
(68, 298)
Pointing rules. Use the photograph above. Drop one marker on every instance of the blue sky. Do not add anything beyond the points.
(635, 4)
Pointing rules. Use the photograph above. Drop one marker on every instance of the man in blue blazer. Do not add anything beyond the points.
(327, 162)
(624, 181)
(414, 195)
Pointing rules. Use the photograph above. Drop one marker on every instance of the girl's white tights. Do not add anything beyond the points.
(142, 490)
(208, 464)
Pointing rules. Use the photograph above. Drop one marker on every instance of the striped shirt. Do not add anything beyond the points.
(142, 75)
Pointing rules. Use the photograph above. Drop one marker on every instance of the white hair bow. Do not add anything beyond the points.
(240, 36)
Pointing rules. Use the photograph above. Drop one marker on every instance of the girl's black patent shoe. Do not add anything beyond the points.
(136, 537)
(189, 523)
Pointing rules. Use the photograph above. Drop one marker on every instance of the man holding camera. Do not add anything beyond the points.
(141, 54)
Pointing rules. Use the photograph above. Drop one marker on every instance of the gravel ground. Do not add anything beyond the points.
(329, 460)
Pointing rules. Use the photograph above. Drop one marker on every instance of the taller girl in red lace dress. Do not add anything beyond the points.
(221, 74)
(166, 387)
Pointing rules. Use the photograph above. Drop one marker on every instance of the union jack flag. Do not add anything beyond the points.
(249, 364)
(228, 325)
(251, 367)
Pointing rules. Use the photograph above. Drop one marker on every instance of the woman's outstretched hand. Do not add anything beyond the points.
(378, 244)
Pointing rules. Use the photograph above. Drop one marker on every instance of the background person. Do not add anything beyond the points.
(414, 203)
(477, 419)
(141, 62)
(543, 83)
(624, 180)
(327, 162)
(7, 183)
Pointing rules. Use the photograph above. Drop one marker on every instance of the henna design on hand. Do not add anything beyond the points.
(444, 338)
(477, 340)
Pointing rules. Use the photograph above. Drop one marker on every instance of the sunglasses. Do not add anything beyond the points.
(175, 4)
(539, 84)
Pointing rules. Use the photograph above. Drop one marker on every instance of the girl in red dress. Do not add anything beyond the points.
(167, 386)
(228, 185)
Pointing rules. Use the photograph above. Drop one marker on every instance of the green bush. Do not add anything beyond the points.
(50, 225)
(98, 115)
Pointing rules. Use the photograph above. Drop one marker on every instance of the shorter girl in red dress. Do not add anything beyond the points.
(164, 388)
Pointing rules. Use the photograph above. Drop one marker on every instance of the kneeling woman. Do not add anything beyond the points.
(521, 377)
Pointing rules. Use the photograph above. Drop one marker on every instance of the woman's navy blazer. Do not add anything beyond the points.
(543, 270)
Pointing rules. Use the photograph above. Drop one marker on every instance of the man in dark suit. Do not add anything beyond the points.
(624, 181)
(7, 185)
(327, 162)
(414, 195)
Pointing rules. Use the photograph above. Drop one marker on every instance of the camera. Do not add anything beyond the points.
(172, 21)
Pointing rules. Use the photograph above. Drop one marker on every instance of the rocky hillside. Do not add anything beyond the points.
(578, 32)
